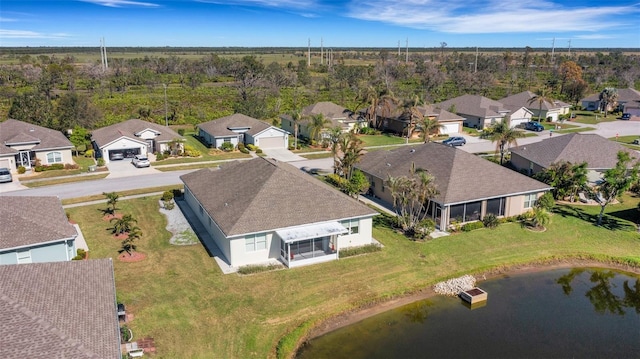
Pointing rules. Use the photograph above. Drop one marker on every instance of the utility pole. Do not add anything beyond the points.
(398, 49)
(569, 47)
(166, 117)
(476, 65)
(406, 57)
(321, 51)
(309, 52)
(553, 48)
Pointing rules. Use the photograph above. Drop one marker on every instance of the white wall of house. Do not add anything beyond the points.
(54, 156)
(216, 234)
(8, 162)
(271, 138)
(361, 238)
(122, 144)
(448, 128)
(240, 256)
(148, 134)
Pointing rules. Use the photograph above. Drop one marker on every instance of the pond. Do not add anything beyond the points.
(565, 313)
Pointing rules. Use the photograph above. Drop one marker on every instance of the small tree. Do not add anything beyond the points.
(616, 180)
(123, 225)
(503, 136)
(112, 200)
(351, 148)
(357, 184)
(128, 244)
(539, 218)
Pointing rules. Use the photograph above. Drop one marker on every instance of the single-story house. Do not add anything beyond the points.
(478, 111)
(450, 123)
(239, 128)
(337, 115)
(628, 95)
(469, 187)
(35, 229)
(59, 310)
(262, 210)
(548, 110)
(134, 137)
(21, 143)
(599, 153)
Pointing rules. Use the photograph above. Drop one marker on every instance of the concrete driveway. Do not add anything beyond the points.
(282, 154)
(11, 186)
(124, 168)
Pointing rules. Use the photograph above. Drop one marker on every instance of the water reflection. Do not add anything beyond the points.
(417, 312)
(601, 294)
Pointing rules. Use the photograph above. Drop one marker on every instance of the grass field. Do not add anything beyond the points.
(180, 298)
(54, 181)
(208, 154)
(592, 118)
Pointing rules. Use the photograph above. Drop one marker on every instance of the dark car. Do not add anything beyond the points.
(534, 126)
(455, 141)
(626, 116)
(117, 156)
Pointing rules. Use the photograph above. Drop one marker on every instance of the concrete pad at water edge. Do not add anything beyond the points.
(281, 154)
(125, 168)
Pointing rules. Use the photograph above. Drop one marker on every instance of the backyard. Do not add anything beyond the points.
(179, 296)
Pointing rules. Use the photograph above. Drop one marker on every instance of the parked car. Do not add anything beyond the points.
(626, 116)
(455, 141)
(534, 126)
(636, 141)
(5, 175)
(140, 161)
(117, 156)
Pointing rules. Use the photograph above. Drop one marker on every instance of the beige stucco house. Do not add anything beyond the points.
(469, 187)
(262, 210)
(22, 143)
(338, 116)
(548, 110)
(478, 111)
(239, 128)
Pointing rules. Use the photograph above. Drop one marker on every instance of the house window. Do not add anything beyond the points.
(24, 256)
(496, 206)
(255, 242)
(227, 140)
(352, 225)
(54, 157)
(530, 200)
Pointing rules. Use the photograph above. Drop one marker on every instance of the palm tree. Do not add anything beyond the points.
(128, 245)
(318, 122)
(123, 225)
(540, 217)
(335, 136)
(414, 114)
(540, 98)
(608, 96)
(296, 116)
(112, 200)
(429, 126)
(371, 97)
(503, 135)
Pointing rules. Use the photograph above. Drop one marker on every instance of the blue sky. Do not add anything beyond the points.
(348, 23)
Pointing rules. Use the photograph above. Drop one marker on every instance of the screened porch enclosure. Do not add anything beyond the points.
(310, 244)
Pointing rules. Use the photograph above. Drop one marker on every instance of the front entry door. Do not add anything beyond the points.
(24, 159)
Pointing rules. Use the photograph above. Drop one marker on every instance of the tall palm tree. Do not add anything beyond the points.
(112, 200)
(318, 122)
(335, 136)
(296, 116)
(608, 96)
(503, 135)
(413, 113)
(540, 98)
(123, 225)
(429, 126)
(128, 245)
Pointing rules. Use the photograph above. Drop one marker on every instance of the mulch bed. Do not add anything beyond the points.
(109, 217)
(121, 236)
(134, 257)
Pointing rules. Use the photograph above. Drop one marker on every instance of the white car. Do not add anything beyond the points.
(140, 161)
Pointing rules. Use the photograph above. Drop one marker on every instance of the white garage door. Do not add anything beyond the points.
(516, 122)
(5, 163)
(271, 142)
(449, 128)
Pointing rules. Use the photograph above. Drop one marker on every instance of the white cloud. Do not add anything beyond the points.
(121, 3)
(594, 37)
(492, 16)
(6, 19)
(27, 34)
(289, 4)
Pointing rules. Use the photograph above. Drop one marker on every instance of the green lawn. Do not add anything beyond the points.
(180, 298)
(592, 118)
(208, 154)
(627, 141)
(54, 181)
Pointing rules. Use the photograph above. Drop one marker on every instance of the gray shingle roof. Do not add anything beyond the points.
(459, 176)
(329, 109)
(129, 128)
(260, 195)
(522, 100)
(32, 220)
(220, 127)
(17, 132)
(597, 151)
(440, 114)
(58, 310)
(478, 106)
(624, 95)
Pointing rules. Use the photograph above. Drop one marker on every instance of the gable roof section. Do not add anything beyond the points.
(478, 106)
(19, 132)
(329, 109)
(597, 151)
(459, 176)
(31, 220)
(522, 100)
(221, 126)
(624, 95)
(128, 129)
(260, 195)
(440, 114)
(59, 310)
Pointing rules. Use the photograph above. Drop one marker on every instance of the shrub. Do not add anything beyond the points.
(53, 167)
(159, 156)
(369, 131)
(88, 153)
(168, 205)
(227, 147)
(468, 227)
(181, 131)
(100, 162)
(258, 150)
(70, 166)
(244, 150)
(167, 196)
(490, 221)
(21, 169)
(337, 181)
(367, 248)
(241, 146)
(80, 255)
(546, 201)
(251, 147)
(177, 192)
(125, 333)
(255, 268)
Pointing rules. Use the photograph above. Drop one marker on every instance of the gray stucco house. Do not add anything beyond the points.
(22, 143)
(59, 310)
(239, 128)
(478, 111)
(469, 187)
(35, 229)
(260, 211)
